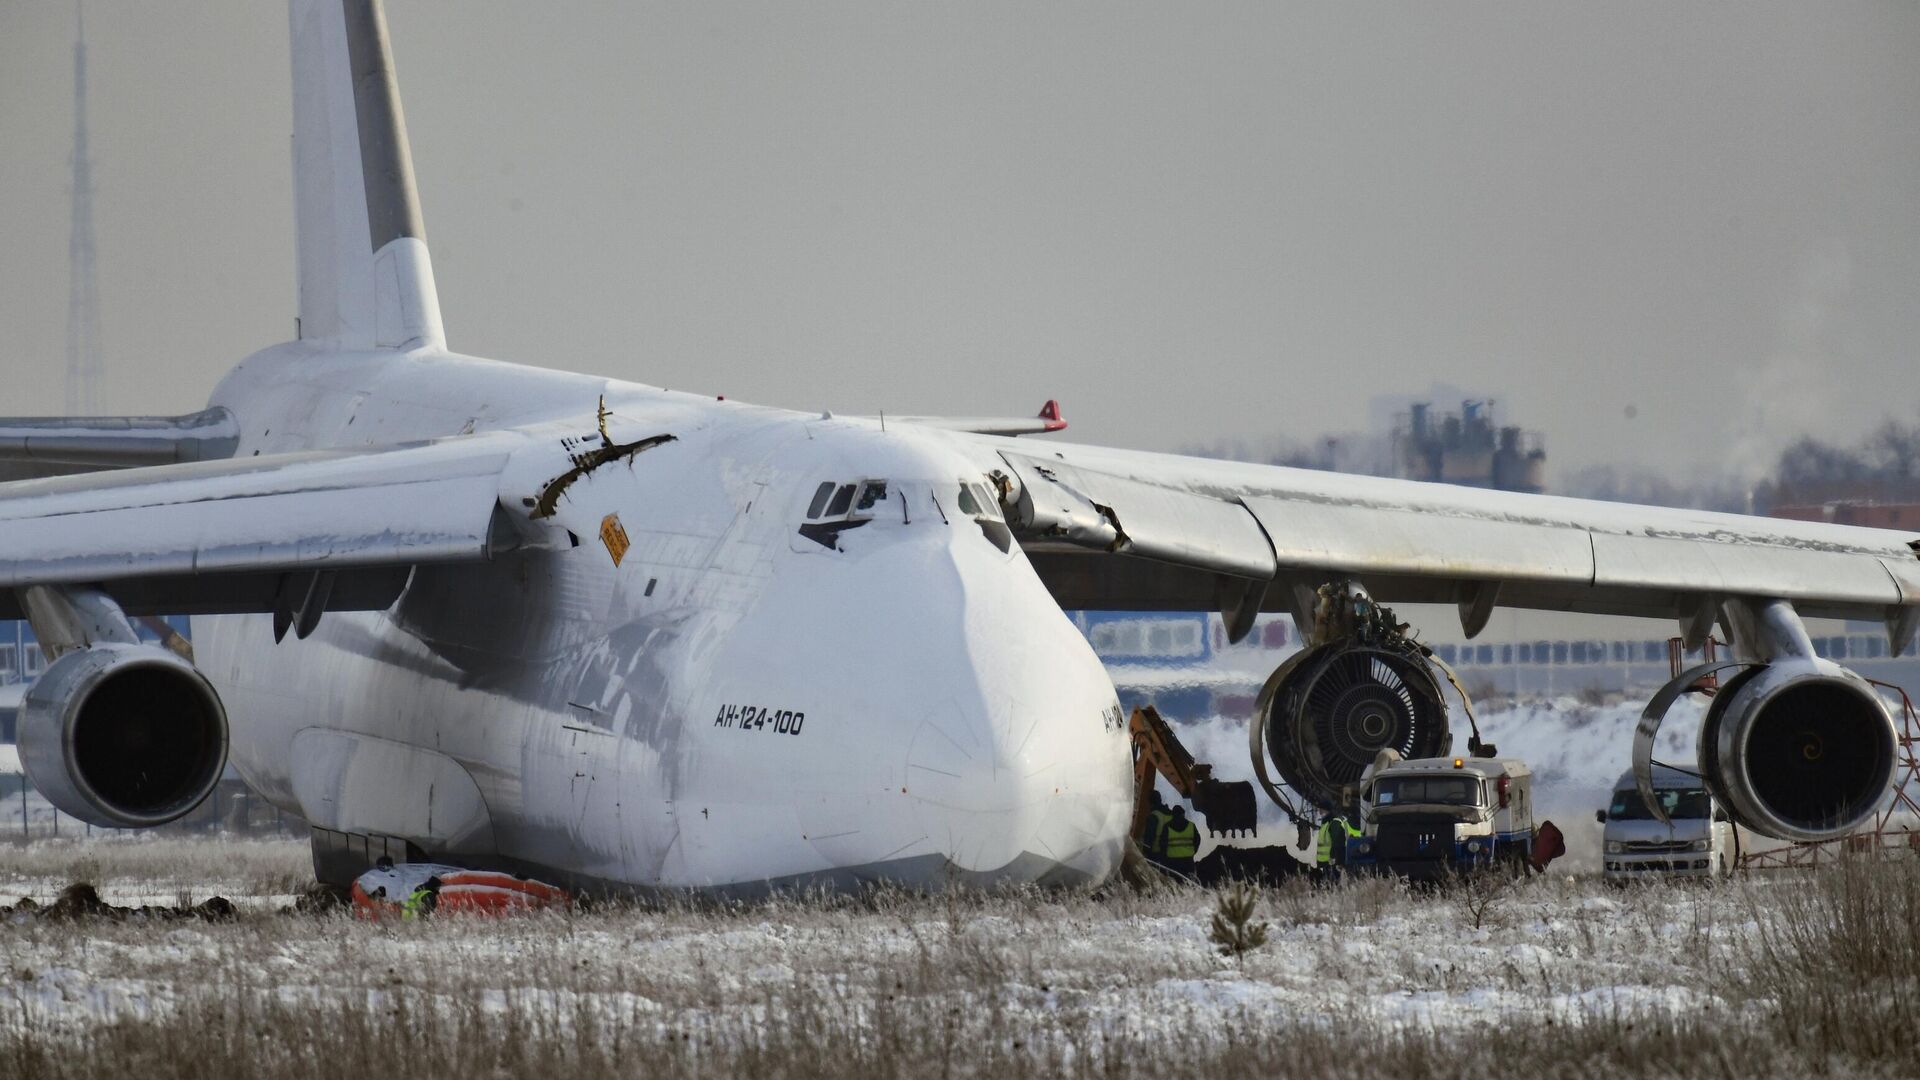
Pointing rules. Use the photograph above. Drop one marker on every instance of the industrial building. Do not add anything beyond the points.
(1468, 449)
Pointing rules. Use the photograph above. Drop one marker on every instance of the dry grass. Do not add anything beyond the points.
(161, 864)
(823, 1036)
(1784, 976)
(1839, 953)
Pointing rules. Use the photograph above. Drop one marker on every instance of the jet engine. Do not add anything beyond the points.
(121, 735)
(1330, 709)
(1798, 750)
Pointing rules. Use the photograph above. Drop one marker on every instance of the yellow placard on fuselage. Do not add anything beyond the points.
(615, 537)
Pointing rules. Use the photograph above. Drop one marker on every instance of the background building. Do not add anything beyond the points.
(1467, 448)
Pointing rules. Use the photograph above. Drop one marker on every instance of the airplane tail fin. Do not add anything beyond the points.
(365, 277)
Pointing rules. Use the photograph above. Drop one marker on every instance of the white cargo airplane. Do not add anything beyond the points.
(452, 608)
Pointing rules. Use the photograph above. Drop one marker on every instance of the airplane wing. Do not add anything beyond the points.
(227, 536)
(37, 446)
(1129, 530)
(1045, 422)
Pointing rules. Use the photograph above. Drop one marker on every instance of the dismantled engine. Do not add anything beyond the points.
(1360, 687)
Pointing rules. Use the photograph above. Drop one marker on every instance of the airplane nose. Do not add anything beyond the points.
(971, 736)
(1025, 772)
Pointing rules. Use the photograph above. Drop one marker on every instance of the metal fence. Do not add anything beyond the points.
(232, 809)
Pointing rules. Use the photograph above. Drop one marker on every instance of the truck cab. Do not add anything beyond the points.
(1697, 842)
(1426, 818)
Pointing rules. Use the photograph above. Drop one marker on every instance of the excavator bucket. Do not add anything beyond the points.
(1228, 806)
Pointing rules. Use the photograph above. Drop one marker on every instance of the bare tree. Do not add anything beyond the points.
(1481, 891)
(1896, 449)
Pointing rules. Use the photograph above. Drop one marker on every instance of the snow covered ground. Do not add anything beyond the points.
(1062, 975)
(1765, 975)
(1370, 951)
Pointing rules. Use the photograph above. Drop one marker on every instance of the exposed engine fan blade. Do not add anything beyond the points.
(1334, 711)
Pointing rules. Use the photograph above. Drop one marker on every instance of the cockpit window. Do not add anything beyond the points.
(833, 502)
(835, 508)
(820, 497)
(979, 504)
(842, 501)
(977, 501)
(832, 511)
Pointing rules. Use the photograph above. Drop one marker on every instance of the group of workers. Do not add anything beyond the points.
(1170, 839)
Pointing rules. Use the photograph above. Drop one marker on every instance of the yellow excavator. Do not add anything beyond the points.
(1228, 805)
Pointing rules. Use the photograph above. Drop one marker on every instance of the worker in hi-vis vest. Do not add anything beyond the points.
(1180, 840)
(1153, 839)
(1330, 853)
(422, 900)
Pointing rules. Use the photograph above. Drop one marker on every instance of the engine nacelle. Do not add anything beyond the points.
(1331, 709)
(1798, 750)
(125, 736)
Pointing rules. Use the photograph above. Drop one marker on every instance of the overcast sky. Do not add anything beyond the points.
(1183, 220)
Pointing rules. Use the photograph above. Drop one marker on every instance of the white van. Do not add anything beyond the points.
(1697, 843)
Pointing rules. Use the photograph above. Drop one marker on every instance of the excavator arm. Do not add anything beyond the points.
(1228, 806)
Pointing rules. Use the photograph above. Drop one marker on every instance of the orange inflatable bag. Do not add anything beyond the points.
(381, 893)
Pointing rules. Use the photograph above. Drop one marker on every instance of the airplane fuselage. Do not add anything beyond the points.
(617, 635)
(676, 685)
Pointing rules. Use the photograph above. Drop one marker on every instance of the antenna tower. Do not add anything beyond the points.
(84, 361)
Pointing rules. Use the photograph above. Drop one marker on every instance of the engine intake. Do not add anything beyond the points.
(1329, 710)
(124, 736)
(1799, 750)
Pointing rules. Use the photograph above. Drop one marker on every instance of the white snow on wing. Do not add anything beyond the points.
(287, 511)
(1732, 568)
(1360, 539)
(1235, 479)
(1372, 525)
(1158, 521)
